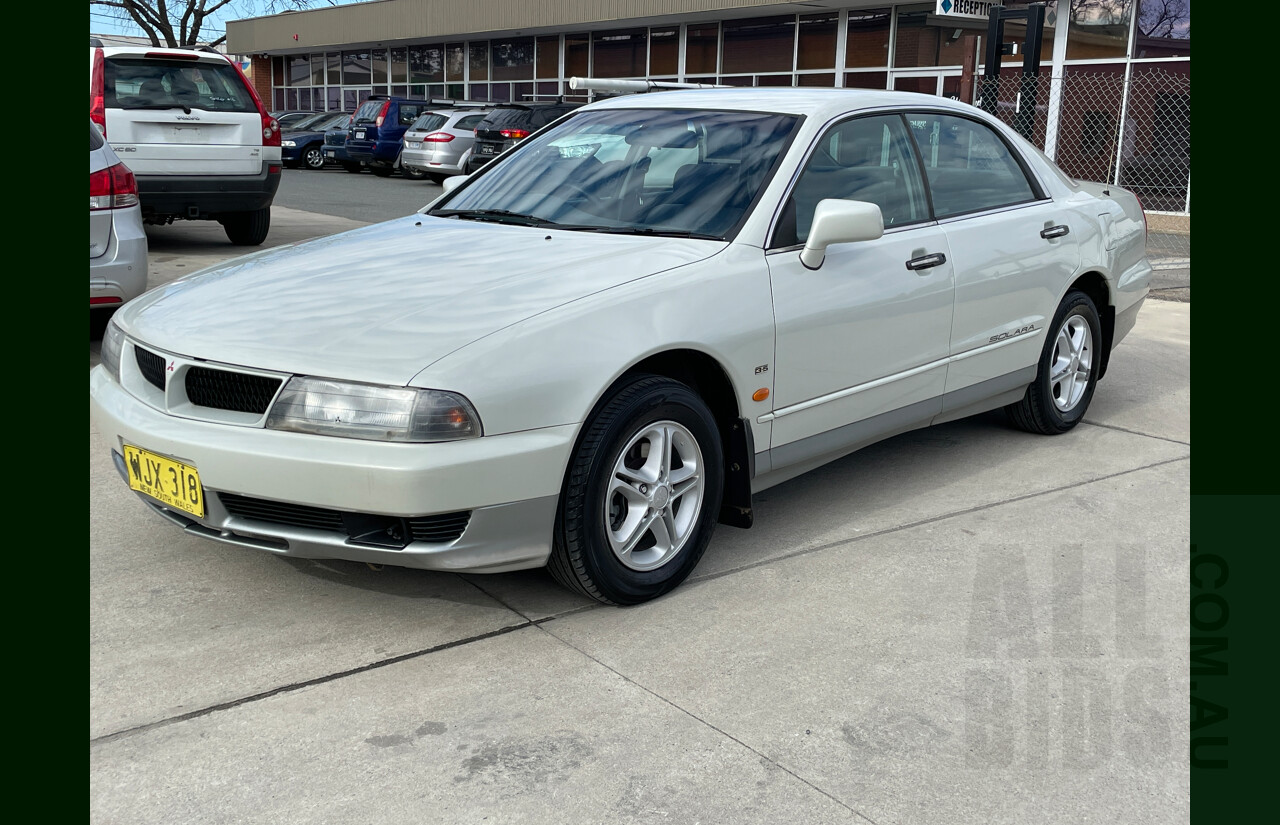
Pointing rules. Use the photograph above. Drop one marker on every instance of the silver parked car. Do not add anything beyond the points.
(439, 142)
(117, 241)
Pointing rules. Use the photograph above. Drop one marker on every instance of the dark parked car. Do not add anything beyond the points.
(377, 133)
(335, 147)
(510, 123)
(289, 120)
(304, 144)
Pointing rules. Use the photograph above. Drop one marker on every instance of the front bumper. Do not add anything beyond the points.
(206, 196)
(121, 271)
(509, 483)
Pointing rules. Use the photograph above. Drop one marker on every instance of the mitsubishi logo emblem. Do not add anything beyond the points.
(170, 367)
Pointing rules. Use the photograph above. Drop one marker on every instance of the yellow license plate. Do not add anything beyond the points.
(169, 482)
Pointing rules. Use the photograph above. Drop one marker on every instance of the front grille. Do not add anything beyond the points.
(444, 527)
(225, 390)
(278, 512)
(441, 528)
(150, 365)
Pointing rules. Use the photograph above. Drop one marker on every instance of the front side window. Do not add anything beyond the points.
(632, 171)
(863, 159)
(968, 166)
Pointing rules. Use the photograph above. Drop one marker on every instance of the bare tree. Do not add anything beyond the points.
(1165, 18)
(178, 23)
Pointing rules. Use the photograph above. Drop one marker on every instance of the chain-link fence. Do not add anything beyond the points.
(1135, 133)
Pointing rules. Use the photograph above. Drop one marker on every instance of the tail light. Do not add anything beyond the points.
(97, 106)
(514, 134)
(270, 128)
(382, 115)
(112, 188)
(438, 137)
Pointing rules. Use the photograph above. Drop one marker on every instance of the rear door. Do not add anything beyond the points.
(1014, 249)
(176, 116)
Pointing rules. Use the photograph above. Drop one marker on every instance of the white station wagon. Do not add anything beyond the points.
(596, 348)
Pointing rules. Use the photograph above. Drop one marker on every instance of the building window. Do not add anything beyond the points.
(426, 64)
(702, 44)
(548, 57)
(399, 66)
(577, 55)
(300, 70)
(455, 62)
(867, 43)
(817, 47)
(664, 51)
(355, 69)
(759, 44)
(333, 68)
(512, 59)
(620, 53)
(1099, 30)
(478, 61)
(1164, 29)
(378, 64)
(866, 80)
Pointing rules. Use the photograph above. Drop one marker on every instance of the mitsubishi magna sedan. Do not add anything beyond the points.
(592, 351)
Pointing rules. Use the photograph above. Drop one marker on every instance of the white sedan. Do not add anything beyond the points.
(593, 350)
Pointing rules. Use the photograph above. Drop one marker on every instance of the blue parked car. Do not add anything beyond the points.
(303, 145)
(335, 147)
(377, 132)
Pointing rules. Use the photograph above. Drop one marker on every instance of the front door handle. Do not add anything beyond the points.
(1054, 231)
(926, 261)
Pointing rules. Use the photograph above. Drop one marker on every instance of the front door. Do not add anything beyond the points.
(862, 340)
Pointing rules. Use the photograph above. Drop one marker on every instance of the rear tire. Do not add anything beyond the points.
(381, 171)
(1058, 398)
(247, 228)
(313, 157)
(632, 523)
(436, 178)
(351, 166)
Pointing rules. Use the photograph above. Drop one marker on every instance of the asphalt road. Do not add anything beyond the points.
(965, 624)
(359, 196)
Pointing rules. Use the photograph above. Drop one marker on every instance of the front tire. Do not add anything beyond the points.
(641, 495)
(313, 157)
(1068, 373)
(247, 228)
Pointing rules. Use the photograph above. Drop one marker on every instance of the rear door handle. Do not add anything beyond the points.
(1055, 231)
(926, 261)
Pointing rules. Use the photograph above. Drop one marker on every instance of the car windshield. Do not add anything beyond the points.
(690, 173)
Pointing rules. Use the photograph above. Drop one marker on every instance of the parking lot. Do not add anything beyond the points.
(961, 624)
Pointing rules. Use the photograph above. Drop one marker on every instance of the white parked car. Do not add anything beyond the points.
(117, 239)
(193, 130)
(588, 363)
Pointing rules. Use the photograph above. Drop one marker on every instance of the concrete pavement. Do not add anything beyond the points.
(961, 624)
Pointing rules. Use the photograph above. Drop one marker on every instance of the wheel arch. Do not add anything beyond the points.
(707, 377)
(1095, 285)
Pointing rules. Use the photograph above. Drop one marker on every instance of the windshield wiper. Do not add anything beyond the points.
(657, 233)
(186, 110)
(497, 215)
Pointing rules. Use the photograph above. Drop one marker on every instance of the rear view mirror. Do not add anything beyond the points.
(453, 182)
(840, 221)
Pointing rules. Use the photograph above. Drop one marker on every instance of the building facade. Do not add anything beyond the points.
(1116, 73)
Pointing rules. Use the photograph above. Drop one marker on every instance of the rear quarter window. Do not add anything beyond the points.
(95, 139)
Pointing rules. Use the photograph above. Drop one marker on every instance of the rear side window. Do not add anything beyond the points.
(968, 166)
(409, 113)
(469, 123)
(142, 83)
(508, 118)
(429, 123)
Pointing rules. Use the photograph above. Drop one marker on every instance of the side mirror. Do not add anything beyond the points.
(452, 182)
(840, 221)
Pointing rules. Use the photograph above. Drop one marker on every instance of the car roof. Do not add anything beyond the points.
(793, 101)
(160, 51)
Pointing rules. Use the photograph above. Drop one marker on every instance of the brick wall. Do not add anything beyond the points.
(260, 76)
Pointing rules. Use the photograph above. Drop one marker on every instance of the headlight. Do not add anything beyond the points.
(347, 410)
(112, 342)
(288, 143)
